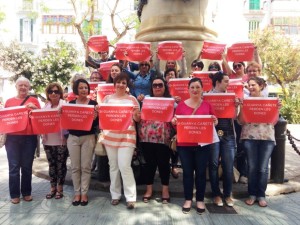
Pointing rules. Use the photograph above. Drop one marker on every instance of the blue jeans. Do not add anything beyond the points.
(226, 150)
(20, 154)
(194, 159)
(258, 155)
(241, 158)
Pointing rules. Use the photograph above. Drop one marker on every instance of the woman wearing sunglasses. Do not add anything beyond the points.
(196, 65)
(55, 146)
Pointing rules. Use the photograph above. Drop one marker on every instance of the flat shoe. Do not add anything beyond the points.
(250, 201)
(186, 210)
(200, 211)
(130, 205)
(27, 198)
(84, 203)
(15, 200)
(146, 199)
(262, 203)
(76, 203)
(115, 201)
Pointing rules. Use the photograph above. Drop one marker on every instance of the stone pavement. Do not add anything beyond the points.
(282, 209)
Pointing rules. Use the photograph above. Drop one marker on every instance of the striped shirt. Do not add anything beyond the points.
(115, 138)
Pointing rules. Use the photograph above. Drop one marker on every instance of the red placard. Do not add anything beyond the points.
(240, 52)
(77, 116)
(206, 81)
(170, 50)
(45, 121)
(212, 50)
(138, 51)
(98, 43)
(103, 90)
(195, 129)
(236, 86)
(179, 87)
(115, 116)
(260, 110)
(223, 104)
(93, 89)
(71, 96)
(105, 68)
(13, 119)
(121, 49)
(158, 109)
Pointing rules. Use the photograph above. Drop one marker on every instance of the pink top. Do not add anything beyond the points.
(183, 109)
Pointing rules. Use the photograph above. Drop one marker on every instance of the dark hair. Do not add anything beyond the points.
(166, 93)
(195, 79)
(218, 76)
(198, 62)
(214, 65)
(122, 76)
(260, 81)
(97, 72)
(52, 85)
(76, 85)
(109, 78)
(169, 70)
(240, 63)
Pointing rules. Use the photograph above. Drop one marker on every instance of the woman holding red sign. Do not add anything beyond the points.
(154, 139)
(193, 157)
(258, 141)
(81, 145)
(20, 146)
(55, 146)
(120, 146)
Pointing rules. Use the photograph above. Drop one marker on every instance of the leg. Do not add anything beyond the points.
(241, 158)
(51, 154)
(115, 177)
(214, 156)
(124, 161)
(61, 169)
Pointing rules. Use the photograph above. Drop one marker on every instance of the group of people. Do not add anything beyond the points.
(257, 140)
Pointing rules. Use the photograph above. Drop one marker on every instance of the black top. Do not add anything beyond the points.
(94, 127)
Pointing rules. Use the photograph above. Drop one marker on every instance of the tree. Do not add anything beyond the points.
(280, 57)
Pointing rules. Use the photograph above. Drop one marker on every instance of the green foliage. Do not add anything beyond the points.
(55, 66)
(291, 104)
(2, 16)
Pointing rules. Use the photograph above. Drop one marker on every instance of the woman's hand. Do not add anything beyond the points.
(174, 121)
(140, 97)
(215, 120)
(31, 106)
(237, 101)
(96, 111)
(177, 99)
(136, 114)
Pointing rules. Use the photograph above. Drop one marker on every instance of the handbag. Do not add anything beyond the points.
(100, 148)
(173, 141)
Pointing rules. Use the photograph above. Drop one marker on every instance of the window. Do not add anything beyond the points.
(26, 30)
(253, 25)
(289, 25)
(254, 4)
(58, 24)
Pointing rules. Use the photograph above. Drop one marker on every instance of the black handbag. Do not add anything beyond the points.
(138, 164)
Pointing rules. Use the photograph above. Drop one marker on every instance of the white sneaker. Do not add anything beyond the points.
(243, 180)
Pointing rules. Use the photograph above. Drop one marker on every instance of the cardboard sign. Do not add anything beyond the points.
(236, 86)
(179, 87)
(98, 43)
(170, 50)
(121, 51)
(260, 110)
(138, 51)
(71, 96)
(158, 109)
(240, 52)
(212, 50)
(93, 89)
(115, 116)
(206, 81)
(195, 129)
(94, 85)
(222, 103)
(13, 119)
(103, 90)
(77, 116)
(105, 68)
(45, 121)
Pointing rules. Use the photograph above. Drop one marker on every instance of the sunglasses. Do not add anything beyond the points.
(159, 85)
(237, 66)
(144, 64)
(197, 64)
(53, 91)
(213, 68)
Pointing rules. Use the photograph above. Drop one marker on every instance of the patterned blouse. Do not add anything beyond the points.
(258, 131)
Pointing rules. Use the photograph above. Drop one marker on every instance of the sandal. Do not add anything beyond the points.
(15, 200)
(146, 199)
(115, 202)
(262, 203)
(165, 200)
(59, 195)
(51, 194)
(27, 198)
(250, 201)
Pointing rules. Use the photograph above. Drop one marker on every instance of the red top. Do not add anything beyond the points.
(183, 109)
(12, 102)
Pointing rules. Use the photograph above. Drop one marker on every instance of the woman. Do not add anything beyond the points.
(20, 146)
(224, 149)
(96, 76)
(258, 141)
(154, 139)
(120, 150)
(193, 157)
(81, 145)
(196, 65)
(141, 81)
(172, 64)
(115, 70)
(55, 146)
